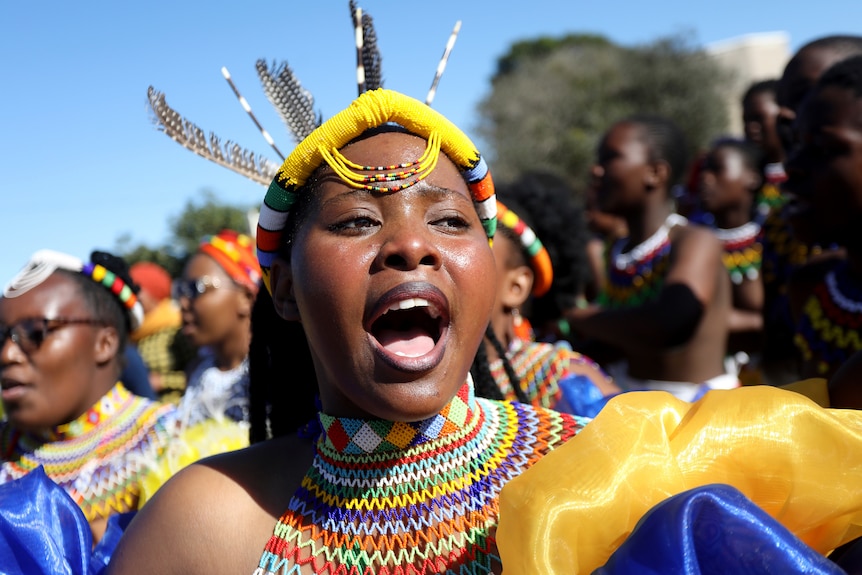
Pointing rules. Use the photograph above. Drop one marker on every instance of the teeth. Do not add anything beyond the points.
(409, 304)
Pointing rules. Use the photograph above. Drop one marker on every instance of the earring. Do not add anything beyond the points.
(521, 325)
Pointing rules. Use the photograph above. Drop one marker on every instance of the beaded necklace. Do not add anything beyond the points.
(540, 367)
(637, 276)
(828, 331)
(99, 457)
(743, 251)
(413, 498)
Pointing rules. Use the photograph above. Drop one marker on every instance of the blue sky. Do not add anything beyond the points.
(81, 163)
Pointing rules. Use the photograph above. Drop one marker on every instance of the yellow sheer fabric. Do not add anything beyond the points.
(799, 462)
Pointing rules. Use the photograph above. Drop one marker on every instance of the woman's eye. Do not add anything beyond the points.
(455, 222)
(355, 223)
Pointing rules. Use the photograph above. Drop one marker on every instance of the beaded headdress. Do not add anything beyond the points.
(319, 143)
(234, 252)
(540, 260)
(370, 110)
(45, 262)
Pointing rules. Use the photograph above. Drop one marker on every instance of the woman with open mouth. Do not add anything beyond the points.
(374, 238)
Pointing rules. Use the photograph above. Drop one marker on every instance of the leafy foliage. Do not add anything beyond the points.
(198, 219)
(551, 100)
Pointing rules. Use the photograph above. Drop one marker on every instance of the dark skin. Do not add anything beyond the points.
(351, 252)
(74, 367)
(826, 178)
(636, 188)
(759, 118)
(727, 189)
(799, 76)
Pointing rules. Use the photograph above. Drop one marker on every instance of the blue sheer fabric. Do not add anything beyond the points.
(44, 532)
(709, 530)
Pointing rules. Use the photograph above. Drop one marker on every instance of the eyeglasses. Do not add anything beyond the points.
(29, 334)
(191, 289)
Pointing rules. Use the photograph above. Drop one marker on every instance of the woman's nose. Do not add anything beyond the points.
(408, 247)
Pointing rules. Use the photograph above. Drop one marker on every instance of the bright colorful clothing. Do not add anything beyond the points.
(214, 394)
(637, 276)
(546, 375)
(743, 251)
(98, 458)
(164, 349)
(418, 498)
(828, 331)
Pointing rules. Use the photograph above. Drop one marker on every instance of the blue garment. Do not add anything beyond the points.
(135, 375)
(44, 532)
(709, 530)
(581, 396)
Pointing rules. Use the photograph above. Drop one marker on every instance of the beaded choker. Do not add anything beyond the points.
(743, 251)
(637, 276)
(828, 331)
(97, 458)
(418, 498)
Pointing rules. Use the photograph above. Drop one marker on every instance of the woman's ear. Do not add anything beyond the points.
(658, 175)
(107, 344)
(517, 284)
(281, 282)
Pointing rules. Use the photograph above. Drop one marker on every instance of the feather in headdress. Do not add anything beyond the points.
(229, 154)
(293, 103)
(245, 106)
(369, 52)
(442, 65)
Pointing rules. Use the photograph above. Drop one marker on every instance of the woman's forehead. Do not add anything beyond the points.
(58, 293)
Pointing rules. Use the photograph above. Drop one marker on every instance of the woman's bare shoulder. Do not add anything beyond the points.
(216, 515)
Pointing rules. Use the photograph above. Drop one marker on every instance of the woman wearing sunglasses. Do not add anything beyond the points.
(216, 293)
(64, 325)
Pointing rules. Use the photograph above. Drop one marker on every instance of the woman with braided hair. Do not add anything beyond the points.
(373, 240)
(63, 326)
(539, 250)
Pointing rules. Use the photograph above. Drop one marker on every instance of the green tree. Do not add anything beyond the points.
(196, 220)
(551, 100)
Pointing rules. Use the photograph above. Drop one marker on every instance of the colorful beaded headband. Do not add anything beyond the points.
(45, 262)
(119, 288)
(234, 252)
(540, 261)
(370, 110)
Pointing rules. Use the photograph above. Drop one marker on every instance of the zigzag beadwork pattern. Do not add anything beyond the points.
(637, 283)
(540, 366)
(98, 458)
(828, 331)
(411, 498)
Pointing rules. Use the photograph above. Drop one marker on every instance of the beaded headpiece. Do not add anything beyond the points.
(234, 252)
(370, 110)
(540, 260)
(320, 143)
(45, 262)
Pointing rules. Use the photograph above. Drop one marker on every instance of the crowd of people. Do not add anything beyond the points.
(408, 369)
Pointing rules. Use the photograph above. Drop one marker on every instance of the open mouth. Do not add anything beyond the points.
(410, 326)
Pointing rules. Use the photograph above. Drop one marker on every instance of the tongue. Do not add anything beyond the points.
(410, 343)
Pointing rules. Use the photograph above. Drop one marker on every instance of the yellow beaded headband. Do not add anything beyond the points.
(370, 110)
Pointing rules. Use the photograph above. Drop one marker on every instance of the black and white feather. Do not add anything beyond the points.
(293, 103)
(228, 154)
(372, 61)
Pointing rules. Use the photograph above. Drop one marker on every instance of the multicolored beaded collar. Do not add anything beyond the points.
(743, 251)
(97, 458)
(637, 276)
(828, 331)
(418, 498)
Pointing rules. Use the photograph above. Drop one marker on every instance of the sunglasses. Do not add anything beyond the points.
(29, 334)
(192, 289)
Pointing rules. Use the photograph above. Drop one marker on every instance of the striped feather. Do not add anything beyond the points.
(293, 103)
(228, 154)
